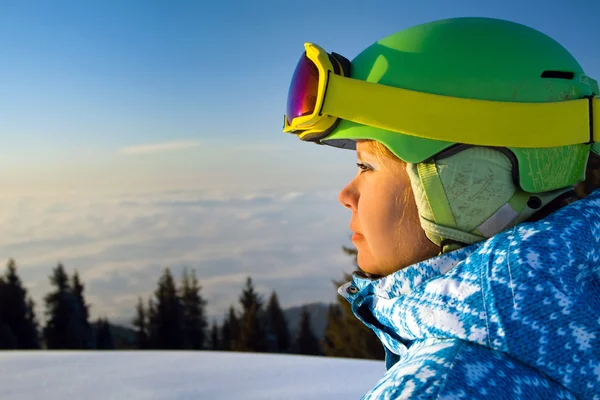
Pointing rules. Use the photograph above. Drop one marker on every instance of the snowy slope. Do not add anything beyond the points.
(181, 375)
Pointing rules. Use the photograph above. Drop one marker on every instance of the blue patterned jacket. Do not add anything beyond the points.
(514, 317)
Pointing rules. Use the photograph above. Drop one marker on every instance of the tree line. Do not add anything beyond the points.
(174, 318)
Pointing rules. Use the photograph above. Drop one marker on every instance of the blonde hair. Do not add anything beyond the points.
(385, 156)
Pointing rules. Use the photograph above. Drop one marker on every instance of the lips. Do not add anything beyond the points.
(356, 235)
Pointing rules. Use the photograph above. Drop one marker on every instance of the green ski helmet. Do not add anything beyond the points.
(485, 59)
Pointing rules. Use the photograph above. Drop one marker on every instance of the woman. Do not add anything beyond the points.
(479, 268)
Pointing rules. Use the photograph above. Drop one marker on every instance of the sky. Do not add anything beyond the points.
(140, 134)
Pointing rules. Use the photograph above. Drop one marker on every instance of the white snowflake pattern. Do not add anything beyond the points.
(597, 372)
(533, 259)
(564, 302)
(478, 335)
(424, 374)
(526, 233)
(582, 337)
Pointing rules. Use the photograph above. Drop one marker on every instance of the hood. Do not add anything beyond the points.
(532, 292)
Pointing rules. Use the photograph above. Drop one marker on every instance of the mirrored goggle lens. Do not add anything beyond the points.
(302, 95)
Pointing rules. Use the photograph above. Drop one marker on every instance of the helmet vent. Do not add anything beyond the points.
(558, 74)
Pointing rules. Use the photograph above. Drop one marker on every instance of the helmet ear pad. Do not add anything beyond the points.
(478, 196)
(476, 182)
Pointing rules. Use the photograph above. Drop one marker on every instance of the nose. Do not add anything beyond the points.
(348, 197)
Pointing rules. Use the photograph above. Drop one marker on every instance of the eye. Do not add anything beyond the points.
(363, 167)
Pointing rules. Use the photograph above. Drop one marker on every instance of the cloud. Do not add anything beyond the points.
(159, 147)
(120, 244)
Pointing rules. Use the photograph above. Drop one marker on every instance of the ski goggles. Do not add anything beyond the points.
(322, 92)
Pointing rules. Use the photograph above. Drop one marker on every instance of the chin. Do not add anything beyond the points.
(367, 265)
(376, 268)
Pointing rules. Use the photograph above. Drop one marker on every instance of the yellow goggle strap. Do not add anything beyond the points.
(459, 120)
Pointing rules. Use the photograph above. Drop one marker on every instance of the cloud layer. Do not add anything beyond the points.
(287, 241)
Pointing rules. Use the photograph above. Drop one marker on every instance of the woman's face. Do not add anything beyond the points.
(385, 222)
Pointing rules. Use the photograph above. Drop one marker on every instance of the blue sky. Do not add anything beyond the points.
(184, 101)
(110, 74)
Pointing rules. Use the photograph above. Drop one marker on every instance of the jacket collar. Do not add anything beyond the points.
(404, 281)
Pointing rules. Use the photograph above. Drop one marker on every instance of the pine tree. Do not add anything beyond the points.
(17, 313)
(225, 342)
(306, 342)
(57, 332)
(193, 312)
(100, 330)
(82, 313)
(168, 314)
(346, 336)
(226, 336)
(151, 325)
(104, 338)
(277, 325)
(250, 297)
(214, 337)
(251, 336)
(141, 326)
(32, 322)
(8, 340)
(233, 322)
(67, 325)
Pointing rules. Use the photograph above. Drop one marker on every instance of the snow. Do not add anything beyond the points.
(179, 375)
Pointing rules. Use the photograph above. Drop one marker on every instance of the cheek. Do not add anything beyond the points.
(387, 238)
(380, 215)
